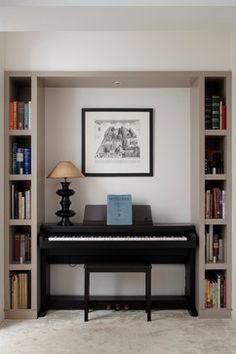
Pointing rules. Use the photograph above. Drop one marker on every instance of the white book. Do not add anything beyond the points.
(208, 204)
(28, 204)
(223, 196)
(218, 290)
(30, 115)
(211, 245)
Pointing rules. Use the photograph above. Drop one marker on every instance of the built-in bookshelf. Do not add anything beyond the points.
(22, 160)
(210, 178)
(217, 194)
(212, 212)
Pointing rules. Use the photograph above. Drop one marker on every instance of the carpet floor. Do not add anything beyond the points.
(118, 332)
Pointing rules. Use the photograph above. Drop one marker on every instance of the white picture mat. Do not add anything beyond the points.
(141, 165)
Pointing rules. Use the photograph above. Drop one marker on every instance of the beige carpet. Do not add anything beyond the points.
(113, 332)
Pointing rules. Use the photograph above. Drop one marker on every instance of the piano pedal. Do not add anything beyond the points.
(108, 306)
(117, 307)
(126, 307)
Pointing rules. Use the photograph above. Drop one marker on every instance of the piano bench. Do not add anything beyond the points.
(117, 267)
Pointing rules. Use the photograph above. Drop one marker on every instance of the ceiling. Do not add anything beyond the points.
(149, 15)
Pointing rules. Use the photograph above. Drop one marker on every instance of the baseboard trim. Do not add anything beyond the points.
(234, 315)
(1, 316)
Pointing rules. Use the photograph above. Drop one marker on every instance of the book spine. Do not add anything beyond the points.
(17, 248)
(208, 113)
(22, 248)
(26, 115)
(221, 250)
(207, 237)
(211, 245)
(27, 161)
(215, 248)
(14, 158)
(223, 203)
(215, 112)
(19, 161)
(11, 115)
(20, 115)
(13, 201)
(30, 115)
(224, 126)
(15, 120)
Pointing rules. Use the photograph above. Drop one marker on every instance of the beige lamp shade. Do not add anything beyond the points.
(65, 169)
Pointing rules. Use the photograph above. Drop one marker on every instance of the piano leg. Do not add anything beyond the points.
(86, 293)
(190, 284)
(148, 293)
(44, 282)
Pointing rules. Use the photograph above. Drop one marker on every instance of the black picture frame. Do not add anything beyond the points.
(132, 157)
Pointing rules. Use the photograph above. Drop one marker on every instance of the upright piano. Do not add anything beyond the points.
(95, 242)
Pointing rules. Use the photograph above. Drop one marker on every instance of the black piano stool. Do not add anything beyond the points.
(117, 267)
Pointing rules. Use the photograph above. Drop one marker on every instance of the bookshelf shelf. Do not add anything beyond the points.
(21, 314)
(215, 222)
(19, 132)
(20, 177)
(216, 266)
(19, 222)
(216, 177)
(215, 132)
(20, 267)
(215, 313)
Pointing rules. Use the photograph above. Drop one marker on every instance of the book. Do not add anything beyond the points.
(119, 209)
(215, 112)
(215, 251)
(208, 113)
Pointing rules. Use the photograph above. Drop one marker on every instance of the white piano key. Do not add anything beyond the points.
(116, 238)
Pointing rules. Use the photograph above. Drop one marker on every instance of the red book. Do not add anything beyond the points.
(223, 116)
(15, 115)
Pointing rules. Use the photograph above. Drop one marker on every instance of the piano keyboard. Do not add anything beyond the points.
(116, 238)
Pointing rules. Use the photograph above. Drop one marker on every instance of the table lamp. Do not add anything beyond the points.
(65, 169)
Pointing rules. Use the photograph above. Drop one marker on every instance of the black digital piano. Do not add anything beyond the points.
(140, 242)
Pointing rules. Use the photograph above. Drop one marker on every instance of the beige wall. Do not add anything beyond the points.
(1, 179)
(169, 199)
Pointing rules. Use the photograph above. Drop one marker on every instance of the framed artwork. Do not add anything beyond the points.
(117, 142)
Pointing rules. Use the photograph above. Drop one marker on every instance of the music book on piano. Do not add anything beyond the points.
(119, 209)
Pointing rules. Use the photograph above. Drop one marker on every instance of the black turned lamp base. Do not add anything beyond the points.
(65, 221)
(65, 213)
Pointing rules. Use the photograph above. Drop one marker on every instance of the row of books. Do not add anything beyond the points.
(21, 247)
(20, 115)
(20, 203)
(20, 290)
(215, 291)
(21, 160)
(213, 247)
(215, 113)
(215, 203)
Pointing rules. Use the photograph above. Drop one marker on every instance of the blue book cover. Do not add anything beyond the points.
(119, 209)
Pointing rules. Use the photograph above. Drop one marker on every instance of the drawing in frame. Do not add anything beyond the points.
(117, 141)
